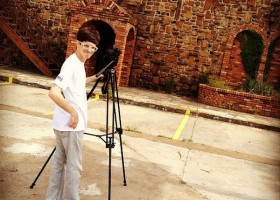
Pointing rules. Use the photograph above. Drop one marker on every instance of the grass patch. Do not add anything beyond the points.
(219, 84)
(128, 128)
(183, 182)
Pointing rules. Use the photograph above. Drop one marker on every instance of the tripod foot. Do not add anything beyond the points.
(124, 184)
(31, 186)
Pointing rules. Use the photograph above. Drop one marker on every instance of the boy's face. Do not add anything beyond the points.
(86, 49)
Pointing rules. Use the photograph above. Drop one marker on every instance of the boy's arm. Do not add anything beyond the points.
(56, 95)
(94, 78)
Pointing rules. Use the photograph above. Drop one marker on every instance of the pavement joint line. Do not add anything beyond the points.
(182, 125)
(184, 144)
(89, 101)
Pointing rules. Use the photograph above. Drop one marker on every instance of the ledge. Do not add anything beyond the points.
(239, 101)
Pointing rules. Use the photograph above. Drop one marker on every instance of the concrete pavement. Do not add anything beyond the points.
(214, 174)
(160, 101)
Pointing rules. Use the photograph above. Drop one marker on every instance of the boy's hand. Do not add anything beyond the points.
(74, 120)
(99, 77)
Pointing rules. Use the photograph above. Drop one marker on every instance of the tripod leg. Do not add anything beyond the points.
(34, 182)
(92, 89)
(110, 139)
(120, 131)
(124, 179)
(110, 166)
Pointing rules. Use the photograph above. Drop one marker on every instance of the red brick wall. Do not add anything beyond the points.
(274, 73)
(239, 101)
(235, 71)
(118, 20)
(175, 39)
(199, 41)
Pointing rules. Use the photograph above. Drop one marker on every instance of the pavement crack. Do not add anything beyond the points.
(206, 148)
(23, 111)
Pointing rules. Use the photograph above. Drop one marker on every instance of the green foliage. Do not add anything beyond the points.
(276, 91)
(276, 86)
(271, 49)
(203, 78)
(251, 51)
(219, 84)
(261, 88)
(250, 86)
(169, 86)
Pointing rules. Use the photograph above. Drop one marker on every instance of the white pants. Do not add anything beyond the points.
(67, 166)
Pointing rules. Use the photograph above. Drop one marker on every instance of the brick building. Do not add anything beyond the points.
(160, 39)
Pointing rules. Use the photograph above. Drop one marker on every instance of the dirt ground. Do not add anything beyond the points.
(147, 177)
(144, 180)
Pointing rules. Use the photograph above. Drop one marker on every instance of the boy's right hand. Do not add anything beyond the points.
(74, 120)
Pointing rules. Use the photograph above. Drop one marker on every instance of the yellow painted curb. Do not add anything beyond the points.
(95, 98)
(10, 80)
(182, 125)
(48, 113)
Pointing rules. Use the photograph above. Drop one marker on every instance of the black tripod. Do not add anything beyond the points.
(116, 126)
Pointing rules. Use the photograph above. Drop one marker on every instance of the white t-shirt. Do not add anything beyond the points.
(72, 81)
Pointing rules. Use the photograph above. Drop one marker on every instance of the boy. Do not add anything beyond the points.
(70, 117)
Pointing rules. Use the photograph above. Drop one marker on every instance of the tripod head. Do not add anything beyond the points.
(111, 57)
(112, 54)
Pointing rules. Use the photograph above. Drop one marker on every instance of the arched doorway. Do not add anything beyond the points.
(272, 69)
(107, 39)
(232, 70)
(128, 57)
(116, 27)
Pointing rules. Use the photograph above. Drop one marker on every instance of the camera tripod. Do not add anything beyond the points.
(116, 126)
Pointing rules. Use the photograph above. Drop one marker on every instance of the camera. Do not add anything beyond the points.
(111, 58)
(112, 54)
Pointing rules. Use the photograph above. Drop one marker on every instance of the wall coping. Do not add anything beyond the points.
(239, 101)
(240, 93)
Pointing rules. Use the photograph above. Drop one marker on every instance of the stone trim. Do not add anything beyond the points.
(228, 51)
(229, 45)
(114, 16)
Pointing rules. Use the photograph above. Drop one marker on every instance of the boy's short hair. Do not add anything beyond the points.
(88, 34)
